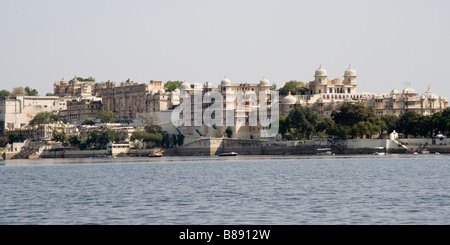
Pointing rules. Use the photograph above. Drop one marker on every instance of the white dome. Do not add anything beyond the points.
(225, 82)
(350, 72)
(394, 91)
(321, 72)
(289, 99)
(161, 91)
(409, 90)
(264, 82)
(185, 86)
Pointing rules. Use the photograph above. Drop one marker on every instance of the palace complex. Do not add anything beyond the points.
(326, 95)
(139, 104)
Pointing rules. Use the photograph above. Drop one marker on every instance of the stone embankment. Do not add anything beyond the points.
(215, 146)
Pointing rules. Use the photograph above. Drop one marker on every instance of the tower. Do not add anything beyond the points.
(321, 76)
(350, 76)
(350, 79)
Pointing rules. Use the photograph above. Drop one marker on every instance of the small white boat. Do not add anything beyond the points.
(380, 153)
(325, 151)
(227, 154)
(158, 154)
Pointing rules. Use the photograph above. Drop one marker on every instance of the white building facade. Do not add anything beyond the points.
(327, 95)
(17, 112)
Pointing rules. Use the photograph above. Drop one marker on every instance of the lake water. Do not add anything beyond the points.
(254, 190)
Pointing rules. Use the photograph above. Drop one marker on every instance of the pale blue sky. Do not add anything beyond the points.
(388, 43)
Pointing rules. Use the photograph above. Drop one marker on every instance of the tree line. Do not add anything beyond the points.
(357, 121)
(27, 91)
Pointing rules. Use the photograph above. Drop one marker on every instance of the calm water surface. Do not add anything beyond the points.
(394, 189)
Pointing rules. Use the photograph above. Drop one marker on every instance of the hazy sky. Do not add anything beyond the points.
(388, 43)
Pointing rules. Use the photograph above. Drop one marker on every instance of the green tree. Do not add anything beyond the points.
(89, 79)
(302, 122)
(167, 140)
(59, 136)
(88, 122)
(408, 123)
(106, 116)
(4, 93)
(74, 141)
(390, 122)
(363, 128)
(31, 92)
(138, 135)
(356, 120)
(425, 125)
(44, 118)
(325, 125)
(172, 85)
(153, 129)
(441, 121)
(229, 132)
(294, 87)
(99, 139)
(17, 91)
(341, 131)
(283, 127)
(16, 137)
(3, 140)
(151, 133)
(350, 114)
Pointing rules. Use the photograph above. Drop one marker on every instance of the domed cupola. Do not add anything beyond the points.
(264, 82)
(350, 75)
(350, 72)
(321, 72)
(289, 99)
(321, 76)
(408, 90)
(185, 86)
(225, 82)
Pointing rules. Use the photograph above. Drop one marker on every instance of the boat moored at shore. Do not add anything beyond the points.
(228, 154)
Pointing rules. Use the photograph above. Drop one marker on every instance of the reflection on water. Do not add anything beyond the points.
(347, 189)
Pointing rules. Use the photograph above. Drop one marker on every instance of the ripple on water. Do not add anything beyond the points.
(244, 190)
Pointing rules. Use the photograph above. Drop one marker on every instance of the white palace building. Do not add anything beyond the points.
(326, 95)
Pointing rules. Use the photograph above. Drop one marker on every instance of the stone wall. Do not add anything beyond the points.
(71, 153)
(215, 146)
